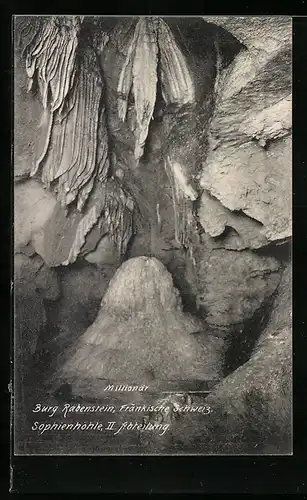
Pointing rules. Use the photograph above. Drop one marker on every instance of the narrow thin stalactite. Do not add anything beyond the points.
(182, 205)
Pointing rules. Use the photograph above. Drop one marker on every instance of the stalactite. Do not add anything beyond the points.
(111, 208)
(176, 81)
(139, 75)
(183, 194)
(72, 156)
(51, 59)
(152, 51)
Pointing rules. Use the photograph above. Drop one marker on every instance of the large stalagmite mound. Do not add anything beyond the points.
(141, 335)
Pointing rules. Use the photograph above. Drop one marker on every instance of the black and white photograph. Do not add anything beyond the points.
(152, 162)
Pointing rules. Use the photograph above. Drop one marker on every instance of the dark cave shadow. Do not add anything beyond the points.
(243, 338)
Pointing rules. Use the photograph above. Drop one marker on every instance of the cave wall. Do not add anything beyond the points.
(251, 409)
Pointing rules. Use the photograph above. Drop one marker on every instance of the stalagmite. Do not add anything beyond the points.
(141, 336)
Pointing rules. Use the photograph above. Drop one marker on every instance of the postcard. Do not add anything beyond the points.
(152, 235)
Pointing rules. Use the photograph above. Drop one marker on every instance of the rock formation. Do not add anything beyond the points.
(249, 138)
(251, 409)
